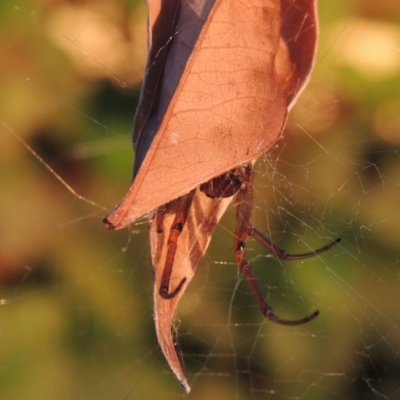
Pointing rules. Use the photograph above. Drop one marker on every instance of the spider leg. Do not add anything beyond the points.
(282, 254)
(262, 302)
(244, 204)
(181, 209)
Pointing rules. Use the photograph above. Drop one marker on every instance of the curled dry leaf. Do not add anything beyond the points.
(220, 77)
(204, 214)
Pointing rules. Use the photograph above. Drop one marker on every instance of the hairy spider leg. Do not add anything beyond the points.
(244, 204)
(283, 254)
(181, 207)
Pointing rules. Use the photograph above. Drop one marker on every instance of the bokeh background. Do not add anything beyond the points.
(75, 299)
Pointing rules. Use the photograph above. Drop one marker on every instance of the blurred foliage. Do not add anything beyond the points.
(75, 300)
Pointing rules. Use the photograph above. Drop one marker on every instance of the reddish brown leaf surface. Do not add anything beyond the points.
(220, 78)
(203, 216)
(219, 104)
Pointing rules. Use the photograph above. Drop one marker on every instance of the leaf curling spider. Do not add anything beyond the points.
(237, 181)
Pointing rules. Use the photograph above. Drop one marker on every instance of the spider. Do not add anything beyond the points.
(237, 181)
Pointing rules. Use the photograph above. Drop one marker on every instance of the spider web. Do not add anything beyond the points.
(75, 299)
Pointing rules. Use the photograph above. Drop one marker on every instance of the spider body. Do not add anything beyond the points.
(225, 185)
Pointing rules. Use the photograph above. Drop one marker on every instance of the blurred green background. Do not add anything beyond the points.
(75, 299)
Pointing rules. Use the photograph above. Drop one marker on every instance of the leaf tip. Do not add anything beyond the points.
(186, 386)
(109, 224)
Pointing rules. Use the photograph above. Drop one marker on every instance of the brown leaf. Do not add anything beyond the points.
(203, 216)
(221, 75)
(219, 105)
